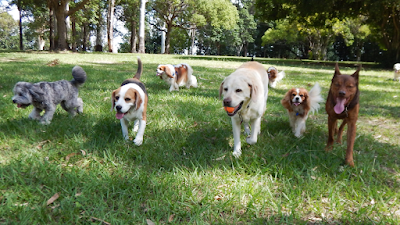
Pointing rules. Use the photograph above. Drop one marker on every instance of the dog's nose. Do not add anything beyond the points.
(227, 101)
(14, 101)
(342, 93)
(118, 108)
(297, 98)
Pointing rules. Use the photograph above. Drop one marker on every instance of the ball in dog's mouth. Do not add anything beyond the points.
(231, 111)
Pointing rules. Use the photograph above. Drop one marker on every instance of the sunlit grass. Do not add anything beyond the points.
(184, 172)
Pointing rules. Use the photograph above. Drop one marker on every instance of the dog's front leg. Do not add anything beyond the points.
(255, 130)
(35, 114)
(332, 127)
(124, 127)
(351, 136)
(48, 115)
(139, 136)
(300, 127)
(237, 148)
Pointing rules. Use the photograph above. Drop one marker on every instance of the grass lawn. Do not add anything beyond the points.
(184, 172)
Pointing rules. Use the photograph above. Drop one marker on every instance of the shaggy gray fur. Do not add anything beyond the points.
(44, 96)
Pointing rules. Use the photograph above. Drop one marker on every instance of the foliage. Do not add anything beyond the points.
(9, 38)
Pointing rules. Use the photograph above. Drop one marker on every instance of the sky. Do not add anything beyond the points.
(13, 11)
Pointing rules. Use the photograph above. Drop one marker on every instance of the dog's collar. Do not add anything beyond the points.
(240, 114)
(351, 104)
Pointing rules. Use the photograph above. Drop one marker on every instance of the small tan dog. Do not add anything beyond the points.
(299, 103)
(130, 103)
(245, 94)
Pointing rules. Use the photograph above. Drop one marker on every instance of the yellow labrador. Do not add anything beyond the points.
(245, 94)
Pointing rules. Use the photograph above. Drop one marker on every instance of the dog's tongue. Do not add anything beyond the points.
(19, 105)
(119, 115)
(339, 107)
(296, 103)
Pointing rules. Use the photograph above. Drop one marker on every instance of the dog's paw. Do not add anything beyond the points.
(44, 122)
(138, 141)
(237, 153)
(298, 135)
(251, 140)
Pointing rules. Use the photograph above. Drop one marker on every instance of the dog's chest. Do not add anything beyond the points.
(298, 110)
(133, 115)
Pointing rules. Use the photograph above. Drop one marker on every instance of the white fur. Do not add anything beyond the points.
(396, 68)
(298, 123)
(132, 114)
(254, 101)
(174, 86)
(279, 77)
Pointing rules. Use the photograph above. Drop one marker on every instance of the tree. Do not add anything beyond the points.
(130, 16)
(141, 26)
(8, 32)
(61, 13)
(187, 14)
(110, 24)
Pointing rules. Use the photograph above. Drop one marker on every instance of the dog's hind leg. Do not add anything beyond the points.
(35, 114)
(136, 126)
(246, 128)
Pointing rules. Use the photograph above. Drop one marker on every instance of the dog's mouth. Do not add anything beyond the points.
(22, 105)
(235, 109)
(340, 105)
(296, 103)
(120, 115)
(159, 73)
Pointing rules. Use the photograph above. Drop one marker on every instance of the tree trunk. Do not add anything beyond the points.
(163, 39)
(99, 32)
(168, 38)
(74, 37)
(85, 32)
(141, 26)
(193, 37)
(21, 43)
(133, 37)
(110, 25)
(61, 27)
(51, 35)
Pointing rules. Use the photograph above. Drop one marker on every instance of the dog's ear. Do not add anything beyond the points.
(220, 89)
(113, 100)
(138, 100)
(36, 93)
(286, 100)
(253, 92)
(337, 71)
(356, 74)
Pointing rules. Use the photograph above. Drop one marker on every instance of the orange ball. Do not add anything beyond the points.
(229, 109)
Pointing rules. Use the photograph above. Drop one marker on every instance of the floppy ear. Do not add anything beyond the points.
(113, 100)
(220, 89)
(138, 100)
(168, 71)
(286, 100)
(253, 92)
(36, 92)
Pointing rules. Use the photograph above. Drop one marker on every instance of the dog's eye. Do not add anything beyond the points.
(116, 98)
(301, 95)
(127, 99)
(225, 89)
(238, 90)
(293, 94)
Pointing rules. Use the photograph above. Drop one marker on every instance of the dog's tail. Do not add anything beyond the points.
(315, 98)
(79, 76)
(139, 69)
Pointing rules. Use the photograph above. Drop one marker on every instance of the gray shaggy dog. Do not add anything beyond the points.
(44, 96)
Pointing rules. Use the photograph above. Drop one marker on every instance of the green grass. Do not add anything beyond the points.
(184, 172)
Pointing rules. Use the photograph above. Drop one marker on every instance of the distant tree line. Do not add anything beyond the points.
(353, 30)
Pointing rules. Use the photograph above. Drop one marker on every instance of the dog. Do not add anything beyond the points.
(343, 103)
(299, 103)
(274, 76)
(177, 76)
(45, 96)
(396, 68)
(245, 94)
(130, 103)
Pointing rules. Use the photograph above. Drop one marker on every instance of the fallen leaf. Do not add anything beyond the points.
(149, 222)
(171, 218)
(217, 197)
(78, 194)
(69, 156)
(83, 152)
(53, 198)
(220, 158)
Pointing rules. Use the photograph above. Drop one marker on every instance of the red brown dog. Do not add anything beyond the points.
(343, 103)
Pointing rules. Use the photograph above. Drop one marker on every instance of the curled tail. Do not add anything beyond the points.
(79, 76)
(139, 69)
(315, 98)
